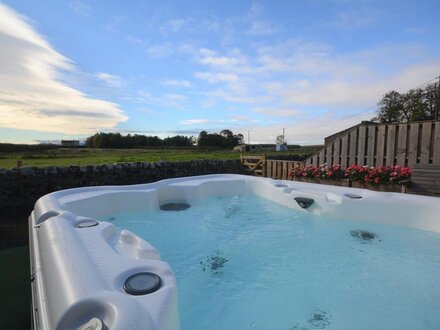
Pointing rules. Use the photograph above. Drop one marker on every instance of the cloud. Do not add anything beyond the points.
(352, 92)
(210, 57)
(81, 8)
(160, 50)
(215, 77)
(277, 112)
(261, 28)
(110, 80)
(147, 111)
(296, 74)
(415, 30)
(32, 94)
(170, 100)
(177, 83)
(194, 121)
(175, 97)
(174, 25)
(134, 40)
(239, 118)
(352, 19)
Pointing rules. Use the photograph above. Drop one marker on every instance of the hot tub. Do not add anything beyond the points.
(88, 273)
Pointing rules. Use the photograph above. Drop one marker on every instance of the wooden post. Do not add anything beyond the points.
(264, 165)
(391, 143)
(425, 143)
(413, 144)
(380, 145)
(353, 146)
(401, 145)
(436, 144)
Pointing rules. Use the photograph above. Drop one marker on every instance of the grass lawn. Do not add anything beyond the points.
(15, 288)
(85, 156)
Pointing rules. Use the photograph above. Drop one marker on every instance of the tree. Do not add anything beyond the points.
(431, 99)
(240, 138)
(280, 140)
(414, 107)
(224, 139)
(226, 133)
(391, 107)
(202, 139)
(416, 104)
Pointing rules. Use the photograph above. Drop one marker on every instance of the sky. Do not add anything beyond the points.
(70, 69)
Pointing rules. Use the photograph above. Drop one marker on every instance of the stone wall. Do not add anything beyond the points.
(21, 187)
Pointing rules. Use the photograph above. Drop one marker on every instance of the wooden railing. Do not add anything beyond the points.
(383, 144)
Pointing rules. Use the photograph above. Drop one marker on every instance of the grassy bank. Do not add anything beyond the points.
(85, 156)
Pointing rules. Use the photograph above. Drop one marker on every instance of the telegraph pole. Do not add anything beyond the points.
(249, 137)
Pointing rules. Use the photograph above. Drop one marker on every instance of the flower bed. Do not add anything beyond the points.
(383, 178)
(378, 175)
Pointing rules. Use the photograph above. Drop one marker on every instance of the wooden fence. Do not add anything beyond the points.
(280, 169)
(271, 168)
(383, 144)
(425, 179)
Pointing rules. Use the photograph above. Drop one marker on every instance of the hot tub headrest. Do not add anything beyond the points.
(304, 202)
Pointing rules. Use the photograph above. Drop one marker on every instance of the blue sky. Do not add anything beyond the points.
(73, 68)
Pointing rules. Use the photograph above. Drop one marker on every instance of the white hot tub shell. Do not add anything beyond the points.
(78, 274)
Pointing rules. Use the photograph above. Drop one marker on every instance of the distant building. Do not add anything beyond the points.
(69, 143)
(254, 147)
(247, 148)
(281, 147)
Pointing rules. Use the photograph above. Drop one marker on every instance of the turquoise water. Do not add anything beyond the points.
(243, 262)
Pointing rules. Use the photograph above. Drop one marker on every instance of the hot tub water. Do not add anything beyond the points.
(243, 262)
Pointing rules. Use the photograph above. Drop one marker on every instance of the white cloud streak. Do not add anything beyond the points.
(296, 74)
(277, 112)
(110, 79)
(174, 25)
(215, 77)
(32, 95)
(81, 8)
(194, 121)
(177, 83)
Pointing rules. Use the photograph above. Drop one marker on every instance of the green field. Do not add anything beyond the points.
(85, 156)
